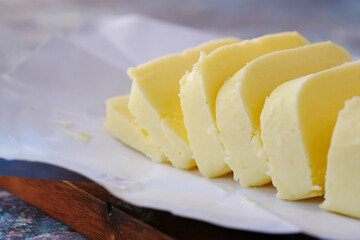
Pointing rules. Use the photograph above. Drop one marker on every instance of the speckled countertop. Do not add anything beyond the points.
(25, 24)
(19, 220)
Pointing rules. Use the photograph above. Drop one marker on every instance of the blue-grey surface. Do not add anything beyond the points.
(19, 220)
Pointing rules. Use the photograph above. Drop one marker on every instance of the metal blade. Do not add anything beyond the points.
(27, 169)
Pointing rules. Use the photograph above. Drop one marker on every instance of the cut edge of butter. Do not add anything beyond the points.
(155, 103)
(283, 99)
(214, 165)
(342, 175)
(122, 125)
(305, 120)
(247, 91)
(199, 88)
(179, 141)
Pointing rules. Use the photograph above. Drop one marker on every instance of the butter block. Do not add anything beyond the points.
(121, 124)
(296, 127)
(200, 87)
(241, 100)
(155, 103)
(342, 188)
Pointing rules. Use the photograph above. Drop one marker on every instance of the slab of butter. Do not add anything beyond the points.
(342, 188)
(199, 89)
(241, 99)
(155, 103)
(121, 124)
(296, 127)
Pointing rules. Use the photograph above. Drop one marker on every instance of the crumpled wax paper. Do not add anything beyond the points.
(69, 77)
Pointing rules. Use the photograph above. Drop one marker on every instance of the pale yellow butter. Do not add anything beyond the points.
(302, 114)
(199, 89)
(80, 136)
(155, 103)
(342, 188)
(121, 124)
(65, 124)
(241, 99)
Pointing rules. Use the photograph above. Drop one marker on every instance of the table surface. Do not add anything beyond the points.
(18, 220)
(25, 24)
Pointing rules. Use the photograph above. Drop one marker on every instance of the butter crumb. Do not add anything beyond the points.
(211, 130)
(227, 159)
(65, 124)
(80, 136)
(261, 154)
(246, 201)
(258, 146)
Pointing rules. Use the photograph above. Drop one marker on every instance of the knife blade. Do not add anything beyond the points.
(38, 170)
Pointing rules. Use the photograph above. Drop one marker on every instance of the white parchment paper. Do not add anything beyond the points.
(69, 78)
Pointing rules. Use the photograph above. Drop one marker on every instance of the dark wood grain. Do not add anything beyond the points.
(87, 214)
(90, 210)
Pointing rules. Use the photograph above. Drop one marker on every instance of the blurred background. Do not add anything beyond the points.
(24, 24)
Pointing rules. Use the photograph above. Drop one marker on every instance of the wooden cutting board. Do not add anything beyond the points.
(90, 210)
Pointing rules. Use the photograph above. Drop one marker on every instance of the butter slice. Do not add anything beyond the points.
(121, 124)
(199, 89)
(301, 115)
(342, 188)
(241, 99)
(155, 103)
